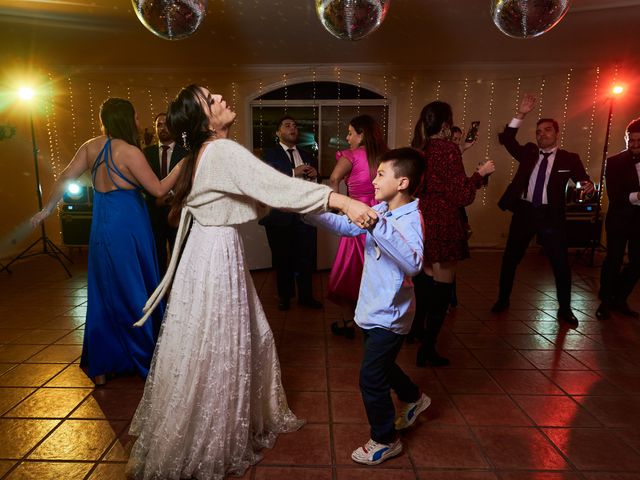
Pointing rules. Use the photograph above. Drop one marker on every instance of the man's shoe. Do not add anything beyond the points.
(624, 309)
(429, 356)
(500, 306)
(567, 316)
(410, 412)
(311, 303)
(603, 312)
(283, 304)
(374, 453)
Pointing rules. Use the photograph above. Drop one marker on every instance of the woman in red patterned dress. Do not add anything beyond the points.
(444, 189)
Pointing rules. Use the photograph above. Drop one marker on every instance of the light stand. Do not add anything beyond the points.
(48, 247)
(597, 232)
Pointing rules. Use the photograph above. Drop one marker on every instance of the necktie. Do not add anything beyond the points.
(293, 162)
(163, 161)
(542, 175)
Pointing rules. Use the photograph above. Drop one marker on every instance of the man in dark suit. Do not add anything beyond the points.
(623, 227)
(536, 196)
(292, 242)
(162, 157)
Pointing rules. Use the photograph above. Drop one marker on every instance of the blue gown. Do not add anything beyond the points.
(122, 273)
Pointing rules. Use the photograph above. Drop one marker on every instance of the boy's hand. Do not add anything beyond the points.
(361, 214)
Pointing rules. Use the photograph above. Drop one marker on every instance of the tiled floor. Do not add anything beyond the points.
(523, 398)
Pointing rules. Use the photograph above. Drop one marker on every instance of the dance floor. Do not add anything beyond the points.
(523, 398)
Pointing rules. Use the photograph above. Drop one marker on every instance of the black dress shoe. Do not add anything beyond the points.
(283, 304)
(500, 306)
(624, 309)
(603, 312)
(311, 303)
(347, 329)
(567, 316)
(429, 356)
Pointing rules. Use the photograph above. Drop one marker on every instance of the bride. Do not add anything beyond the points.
(214, 396)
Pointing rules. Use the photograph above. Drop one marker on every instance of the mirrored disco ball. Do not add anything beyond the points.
(527, 18)
(351, 19)
(171, 19)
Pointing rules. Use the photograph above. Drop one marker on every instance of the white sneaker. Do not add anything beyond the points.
(374, 453)
(410, 412)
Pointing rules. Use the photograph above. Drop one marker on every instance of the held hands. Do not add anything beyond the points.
(486, 168)
(361, 214)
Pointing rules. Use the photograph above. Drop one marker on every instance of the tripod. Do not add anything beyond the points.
(48, 247)
(597, 232)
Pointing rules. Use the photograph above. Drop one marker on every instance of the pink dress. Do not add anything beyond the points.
(344, 279)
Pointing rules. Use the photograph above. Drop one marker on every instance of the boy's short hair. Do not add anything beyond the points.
(407, 162)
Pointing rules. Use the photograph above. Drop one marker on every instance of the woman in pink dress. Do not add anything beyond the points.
(356, 167)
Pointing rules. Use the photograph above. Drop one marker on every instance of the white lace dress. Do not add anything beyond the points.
(213, 397)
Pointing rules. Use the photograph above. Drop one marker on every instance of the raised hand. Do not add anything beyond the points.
(526, 104)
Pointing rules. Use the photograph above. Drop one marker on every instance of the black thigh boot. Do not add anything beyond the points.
(422, 286)
(436, 314)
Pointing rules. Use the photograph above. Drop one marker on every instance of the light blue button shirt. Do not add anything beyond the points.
(392, 257)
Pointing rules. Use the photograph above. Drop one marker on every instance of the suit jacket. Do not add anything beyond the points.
(622, 180)
(152, 153)
(279, 159)
(567, 165)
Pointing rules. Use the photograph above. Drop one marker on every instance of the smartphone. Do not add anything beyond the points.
(473, 132)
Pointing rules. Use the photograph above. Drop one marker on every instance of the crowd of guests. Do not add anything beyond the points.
(193, 326)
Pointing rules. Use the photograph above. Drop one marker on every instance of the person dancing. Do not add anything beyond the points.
(444, 189)
(357, 167)
(123, 268)
(214, 396)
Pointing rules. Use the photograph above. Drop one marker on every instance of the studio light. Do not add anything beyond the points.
(26, 93)
(617, 90)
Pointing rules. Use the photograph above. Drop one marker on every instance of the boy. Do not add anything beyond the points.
(392, 256)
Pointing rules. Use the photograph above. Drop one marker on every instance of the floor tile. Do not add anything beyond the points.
(468, 381)
(519, 449)
(29, 375)
(377, 473)
(10, 397)
(524, 382)
(49, 403)
(301, 473)
(444, 447)
(347, 407)
(583, 383)
(613, 411)
(555, 411)
(72, 376)
(57, 354)
(304, 378)
(78, 440)
(24, 435)
(490, 410)
(594, 449)
(307, 446)
(108, 471)
(50, 471)
(310, 406)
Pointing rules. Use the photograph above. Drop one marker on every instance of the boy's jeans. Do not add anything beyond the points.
(379, 374)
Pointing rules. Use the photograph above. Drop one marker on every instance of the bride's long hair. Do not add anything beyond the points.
(189, 125)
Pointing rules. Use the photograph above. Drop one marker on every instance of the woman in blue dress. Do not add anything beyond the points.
(123, 268)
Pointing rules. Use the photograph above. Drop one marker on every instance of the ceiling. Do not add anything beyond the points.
(416, 33)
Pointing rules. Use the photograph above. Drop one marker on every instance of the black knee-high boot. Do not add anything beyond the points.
(436, 314)
(422, 285)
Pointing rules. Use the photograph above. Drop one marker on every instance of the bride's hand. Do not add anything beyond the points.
(361, 214)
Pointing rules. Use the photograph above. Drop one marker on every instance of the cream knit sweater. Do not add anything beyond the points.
(228, 183)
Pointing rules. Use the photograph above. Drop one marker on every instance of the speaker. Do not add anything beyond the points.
(76, 227)
(581, 229)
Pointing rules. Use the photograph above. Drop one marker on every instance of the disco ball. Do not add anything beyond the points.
(527, 18)
(171, 19)
(351, 19)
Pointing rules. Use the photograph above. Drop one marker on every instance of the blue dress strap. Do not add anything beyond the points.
(106, 156)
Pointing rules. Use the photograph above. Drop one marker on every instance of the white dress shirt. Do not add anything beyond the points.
(169, 153)
(297, 159)
(515, 123)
